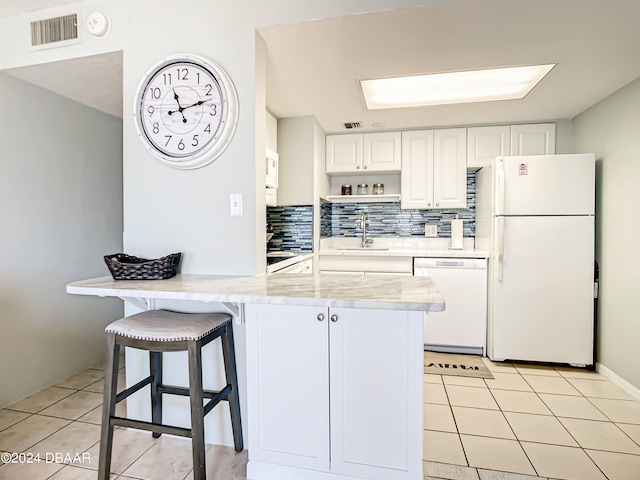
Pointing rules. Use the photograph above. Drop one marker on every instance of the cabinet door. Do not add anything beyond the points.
(450, 168)
(344, 153)
(416, 178)
(288, 385)
(376, 393)
(534, 139)
(486, 143)
(381, 152)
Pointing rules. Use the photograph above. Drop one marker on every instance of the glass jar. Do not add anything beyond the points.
(378, 188)
(363, 189)
(346, 189)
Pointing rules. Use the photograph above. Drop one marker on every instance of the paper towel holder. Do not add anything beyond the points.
(457, 226)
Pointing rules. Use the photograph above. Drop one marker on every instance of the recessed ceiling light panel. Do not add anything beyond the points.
(456, 87)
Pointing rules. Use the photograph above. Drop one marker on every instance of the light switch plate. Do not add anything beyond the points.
(235, 204)
(430, 230)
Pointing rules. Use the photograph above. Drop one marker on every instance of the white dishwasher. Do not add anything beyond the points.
(462, 327)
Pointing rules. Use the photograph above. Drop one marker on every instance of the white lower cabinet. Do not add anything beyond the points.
(334, 390)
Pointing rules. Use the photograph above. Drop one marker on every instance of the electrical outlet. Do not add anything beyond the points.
(235, 201)
(430, 230)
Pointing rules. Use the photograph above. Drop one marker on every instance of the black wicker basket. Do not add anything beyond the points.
(128, 267)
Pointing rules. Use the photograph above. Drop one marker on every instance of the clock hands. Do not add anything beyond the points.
(181, 108)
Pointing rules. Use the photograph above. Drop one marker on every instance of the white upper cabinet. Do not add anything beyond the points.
(416, 178)
(434, 173)
(362, 153)
(450, 168)
(344, 153)
(381, 152)
(486, 143)
(533, 139)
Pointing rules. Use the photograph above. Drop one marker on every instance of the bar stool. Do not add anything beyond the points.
(164, 331)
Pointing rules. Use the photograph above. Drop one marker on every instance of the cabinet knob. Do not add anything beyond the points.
(320, 317)
(334, 318)
(358, 167)
(429, 204)
(365, 167)
(437, 204)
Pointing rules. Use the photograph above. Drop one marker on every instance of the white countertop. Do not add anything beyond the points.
(400, 247)
(431, 253)
(289, 259)
(391, 292)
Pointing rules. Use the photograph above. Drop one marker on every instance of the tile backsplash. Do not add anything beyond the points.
(389, 220)
(292, 228)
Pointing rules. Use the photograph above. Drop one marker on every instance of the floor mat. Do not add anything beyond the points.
(454, 364)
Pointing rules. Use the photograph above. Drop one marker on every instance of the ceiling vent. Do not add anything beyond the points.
(53, 32)
(351, 125)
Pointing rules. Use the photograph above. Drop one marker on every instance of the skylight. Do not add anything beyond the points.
(455, 87)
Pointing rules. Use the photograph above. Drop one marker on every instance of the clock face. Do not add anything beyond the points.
(187, 111)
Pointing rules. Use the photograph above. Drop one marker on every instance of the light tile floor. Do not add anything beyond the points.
(527, 423)
(530, 422)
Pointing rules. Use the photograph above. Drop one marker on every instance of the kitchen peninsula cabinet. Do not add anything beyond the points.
(334, 390)
(434, 173)
(363, 152)
(326, 400)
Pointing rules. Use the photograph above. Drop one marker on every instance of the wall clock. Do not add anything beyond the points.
(186, 111)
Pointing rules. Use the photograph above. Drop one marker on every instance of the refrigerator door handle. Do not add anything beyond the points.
(500, 192)
(500, 245)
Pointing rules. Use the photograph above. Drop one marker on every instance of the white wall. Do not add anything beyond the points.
(60, 212)
(611, 129)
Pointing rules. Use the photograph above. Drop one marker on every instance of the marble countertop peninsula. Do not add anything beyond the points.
(388, 292)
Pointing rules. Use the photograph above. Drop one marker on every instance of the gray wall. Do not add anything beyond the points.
(60, 211)
(611, 129)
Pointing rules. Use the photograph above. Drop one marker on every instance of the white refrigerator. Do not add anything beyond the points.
(535, 215)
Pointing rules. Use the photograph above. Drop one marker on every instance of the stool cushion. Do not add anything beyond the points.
(167, 326)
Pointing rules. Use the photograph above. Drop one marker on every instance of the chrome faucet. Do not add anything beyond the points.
(363, 225)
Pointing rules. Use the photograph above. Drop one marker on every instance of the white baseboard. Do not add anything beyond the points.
(619, 381)
(270, 471)
(260, 470)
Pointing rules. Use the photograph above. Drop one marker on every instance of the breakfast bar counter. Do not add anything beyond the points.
(334, 367)
(389, 292)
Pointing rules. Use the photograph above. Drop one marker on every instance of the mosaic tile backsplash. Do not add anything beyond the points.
(388, 220)
(292, 228)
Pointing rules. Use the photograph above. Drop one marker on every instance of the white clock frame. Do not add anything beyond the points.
(144, 111)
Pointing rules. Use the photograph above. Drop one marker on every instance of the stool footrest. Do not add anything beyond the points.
(149, 426)
(133, 389)
(215, 399)
(212, 394)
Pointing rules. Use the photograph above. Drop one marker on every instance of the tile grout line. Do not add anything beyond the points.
(512, 430)
(537, 393)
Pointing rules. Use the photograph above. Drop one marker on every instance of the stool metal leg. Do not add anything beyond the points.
(108, 407)
(155, 364)
(197, 410)
(228, 352)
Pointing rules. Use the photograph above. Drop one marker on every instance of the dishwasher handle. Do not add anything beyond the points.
(461, 263)
(449, 263)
